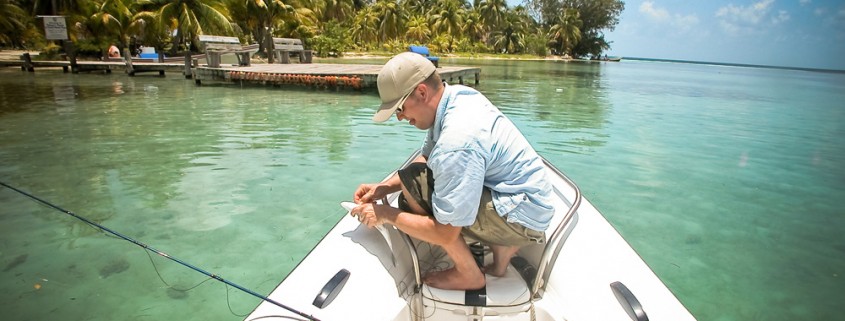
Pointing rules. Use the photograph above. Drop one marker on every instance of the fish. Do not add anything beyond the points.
(20, 259)
(381, 228)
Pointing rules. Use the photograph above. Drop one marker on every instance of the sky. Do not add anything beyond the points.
(785, 33)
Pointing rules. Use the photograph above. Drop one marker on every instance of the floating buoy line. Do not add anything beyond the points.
(149, 249)
(318, 81)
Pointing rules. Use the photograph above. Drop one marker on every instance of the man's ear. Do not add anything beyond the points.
(423, 91)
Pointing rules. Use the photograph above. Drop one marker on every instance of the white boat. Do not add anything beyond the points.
(585, 271)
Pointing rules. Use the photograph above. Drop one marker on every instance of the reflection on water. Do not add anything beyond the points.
(703, 169)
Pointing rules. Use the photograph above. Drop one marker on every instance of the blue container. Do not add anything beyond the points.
(149, 55)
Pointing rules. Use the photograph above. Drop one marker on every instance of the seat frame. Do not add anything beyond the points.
(550, 252)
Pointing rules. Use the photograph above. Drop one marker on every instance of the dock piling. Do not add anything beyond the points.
(27, 63)
(187, 72)
(128, 59)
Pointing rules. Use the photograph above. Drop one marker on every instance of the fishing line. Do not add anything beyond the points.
(160, 253)
(160, 277)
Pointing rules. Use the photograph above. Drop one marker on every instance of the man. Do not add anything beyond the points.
(477, 175)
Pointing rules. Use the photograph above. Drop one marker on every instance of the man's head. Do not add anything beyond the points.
(399, 79)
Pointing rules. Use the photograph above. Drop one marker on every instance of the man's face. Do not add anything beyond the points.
(417, 109)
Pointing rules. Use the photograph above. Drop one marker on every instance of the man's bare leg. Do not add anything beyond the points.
(465, 275)
(501, 258)
(412, 202)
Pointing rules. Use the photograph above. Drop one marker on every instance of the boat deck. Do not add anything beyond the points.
(381, 281)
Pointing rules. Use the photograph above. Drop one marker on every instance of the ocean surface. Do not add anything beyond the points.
(728, 181)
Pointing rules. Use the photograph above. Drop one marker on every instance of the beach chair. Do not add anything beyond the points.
(216, 46)
(423, 50)
(284, 47)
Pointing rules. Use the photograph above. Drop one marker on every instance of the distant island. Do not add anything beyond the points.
(734, 64)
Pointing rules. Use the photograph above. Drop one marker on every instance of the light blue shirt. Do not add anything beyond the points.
(471, 144)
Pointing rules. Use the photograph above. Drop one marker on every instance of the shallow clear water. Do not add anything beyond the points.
(728, 181)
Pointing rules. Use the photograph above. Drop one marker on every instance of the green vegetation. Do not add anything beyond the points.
(330, 27)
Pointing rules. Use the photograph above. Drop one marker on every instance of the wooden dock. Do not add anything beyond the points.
(317, 75)
(105, 66)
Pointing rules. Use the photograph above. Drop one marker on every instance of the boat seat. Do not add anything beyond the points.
(508, 290)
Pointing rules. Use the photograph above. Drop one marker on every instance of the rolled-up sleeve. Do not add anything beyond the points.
(458, 182)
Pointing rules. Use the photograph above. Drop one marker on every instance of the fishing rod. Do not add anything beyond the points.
(160, 253)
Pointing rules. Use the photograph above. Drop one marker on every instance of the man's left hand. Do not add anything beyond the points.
(368, 214)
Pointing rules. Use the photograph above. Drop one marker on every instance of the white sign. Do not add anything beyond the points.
(55, 28)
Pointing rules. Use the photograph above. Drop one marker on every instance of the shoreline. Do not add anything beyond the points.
(369, 55)
(15, 54)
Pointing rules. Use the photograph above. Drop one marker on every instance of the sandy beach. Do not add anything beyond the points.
(15, 54)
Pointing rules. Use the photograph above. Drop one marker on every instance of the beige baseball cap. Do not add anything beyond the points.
(397, 79)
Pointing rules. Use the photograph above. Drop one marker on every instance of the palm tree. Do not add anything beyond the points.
(301, 22)
(566, 33)
(245, 20)
(474, 28)
(365, 27)
(190, 18)
(510, 37)
(58, 7)
(418, 7)
(391, 19)
(12, 22)
(447, 17)
(117, 18)
(492, 13)
(418, 29)
(337, 10)
(267, 13)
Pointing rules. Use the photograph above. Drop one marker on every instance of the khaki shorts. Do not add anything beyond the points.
(489, 227)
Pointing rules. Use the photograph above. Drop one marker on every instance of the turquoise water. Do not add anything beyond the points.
(727, 180)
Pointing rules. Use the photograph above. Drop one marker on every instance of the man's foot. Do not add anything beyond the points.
(495, 270)
(452, 279)
(501, 259)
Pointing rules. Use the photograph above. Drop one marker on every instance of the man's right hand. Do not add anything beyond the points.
(368, 193)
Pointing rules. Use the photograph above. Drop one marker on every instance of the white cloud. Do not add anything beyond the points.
(781, 17)
(680, 23)
(737, 20)
(747, 15)
(804, 2)
(649, 10)
(835, 18)
(838, 20)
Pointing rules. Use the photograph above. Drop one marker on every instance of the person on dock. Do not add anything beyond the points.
(114, 52)
(477, 177)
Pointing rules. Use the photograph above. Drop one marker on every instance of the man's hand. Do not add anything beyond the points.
(371, 214)
(368, 193)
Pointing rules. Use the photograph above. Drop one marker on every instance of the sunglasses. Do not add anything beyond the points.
(400, 108)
